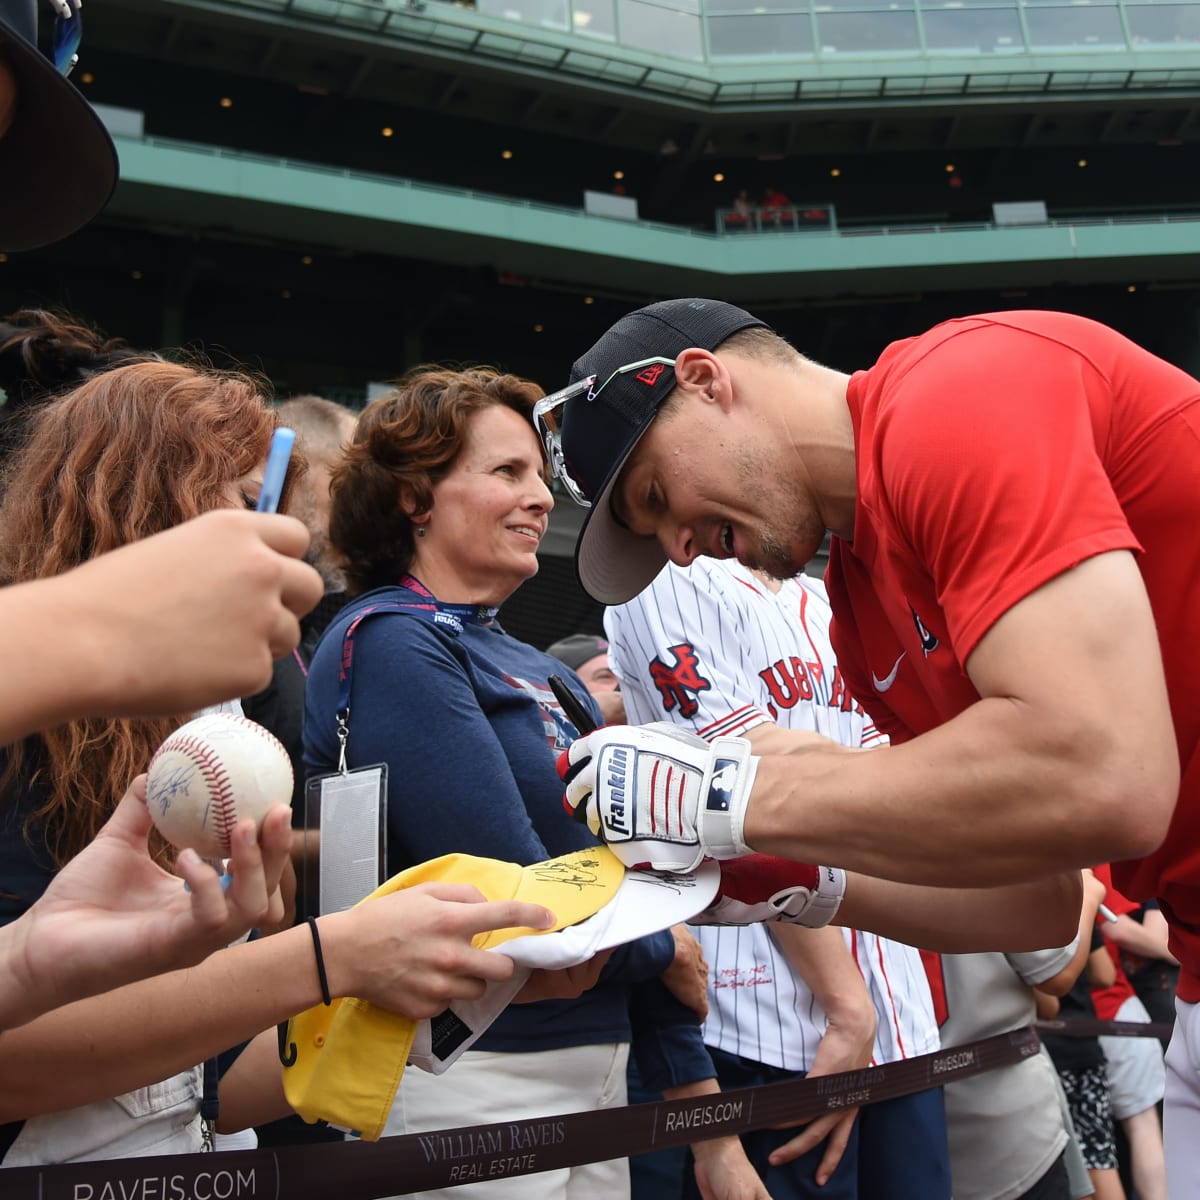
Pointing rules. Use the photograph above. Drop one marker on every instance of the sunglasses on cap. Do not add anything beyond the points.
(60, 43)
(547, 420)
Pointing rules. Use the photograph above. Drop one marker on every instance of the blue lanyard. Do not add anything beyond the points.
(450, 617)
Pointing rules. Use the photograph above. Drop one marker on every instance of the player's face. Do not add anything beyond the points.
(703, 482)
(490, 512)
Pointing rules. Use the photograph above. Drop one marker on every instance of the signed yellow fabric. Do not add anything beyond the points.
(350, 1055)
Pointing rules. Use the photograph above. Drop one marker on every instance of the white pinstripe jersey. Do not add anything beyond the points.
(711, 648)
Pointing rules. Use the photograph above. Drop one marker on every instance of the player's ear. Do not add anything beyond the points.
(701, 372)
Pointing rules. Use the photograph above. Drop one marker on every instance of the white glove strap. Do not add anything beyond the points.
(724, 793)
(799, 906)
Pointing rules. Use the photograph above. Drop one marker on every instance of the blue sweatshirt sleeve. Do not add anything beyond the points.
(667, 1041)
(635, 962)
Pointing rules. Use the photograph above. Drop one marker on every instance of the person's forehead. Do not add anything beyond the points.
(498, 422)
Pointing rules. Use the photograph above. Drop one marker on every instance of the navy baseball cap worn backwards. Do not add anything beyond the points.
(590, 428)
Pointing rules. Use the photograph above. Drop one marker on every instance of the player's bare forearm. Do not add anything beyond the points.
(1043, 773)
(983, 800)
(1026, 916)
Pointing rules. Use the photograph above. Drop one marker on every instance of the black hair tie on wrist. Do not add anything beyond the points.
(288, 1053)
(326, 998)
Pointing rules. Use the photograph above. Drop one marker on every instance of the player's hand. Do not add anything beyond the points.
(760, 887)
(194, 615)
(660, 797)
(410, 951)
(112, 915)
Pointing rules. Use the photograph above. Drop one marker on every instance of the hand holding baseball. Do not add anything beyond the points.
(112, 915)
(210, 774)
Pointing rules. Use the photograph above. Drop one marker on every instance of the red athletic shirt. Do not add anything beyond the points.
(993, 453)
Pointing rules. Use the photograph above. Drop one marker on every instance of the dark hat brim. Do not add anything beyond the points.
(613, 563)
(58, 163)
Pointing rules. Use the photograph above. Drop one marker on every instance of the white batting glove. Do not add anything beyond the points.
(761, 888)
(660, 797)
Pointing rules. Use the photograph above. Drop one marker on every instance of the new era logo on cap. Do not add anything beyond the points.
(650, 375)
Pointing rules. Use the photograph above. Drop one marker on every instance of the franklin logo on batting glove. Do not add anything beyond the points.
(659, 796)
(617, 765)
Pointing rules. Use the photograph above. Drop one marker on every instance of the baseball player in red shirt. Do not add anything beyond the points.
(1013, 500)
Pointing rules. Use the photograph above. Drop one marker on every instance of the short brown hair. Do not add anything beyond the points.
(761, 344)
(318, 423)
(406, 443)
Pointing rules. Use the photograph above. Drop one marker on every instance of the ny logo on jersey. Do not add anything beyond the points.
(678, 683)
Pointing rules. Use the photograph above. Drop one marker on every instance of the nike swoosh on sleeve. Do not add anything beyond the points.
(882, 685)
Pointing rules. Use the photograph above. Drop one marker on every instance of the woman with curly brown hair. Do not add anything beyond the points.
(132, 452)
(129, 453)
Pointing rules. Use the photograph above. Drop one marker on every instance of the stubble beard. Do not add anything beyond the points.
(773, 554)
(774, 559)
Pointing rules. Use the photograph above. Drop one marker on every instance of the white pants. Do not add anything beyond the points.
(483, 1087)
(1181, 1113)
(163, 1118)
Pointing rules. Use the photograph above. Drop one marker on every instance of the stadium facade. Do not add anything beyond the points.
(331, 191)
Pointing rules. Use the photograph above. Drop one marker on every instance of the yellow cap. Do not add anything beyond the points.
(350, 1055)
